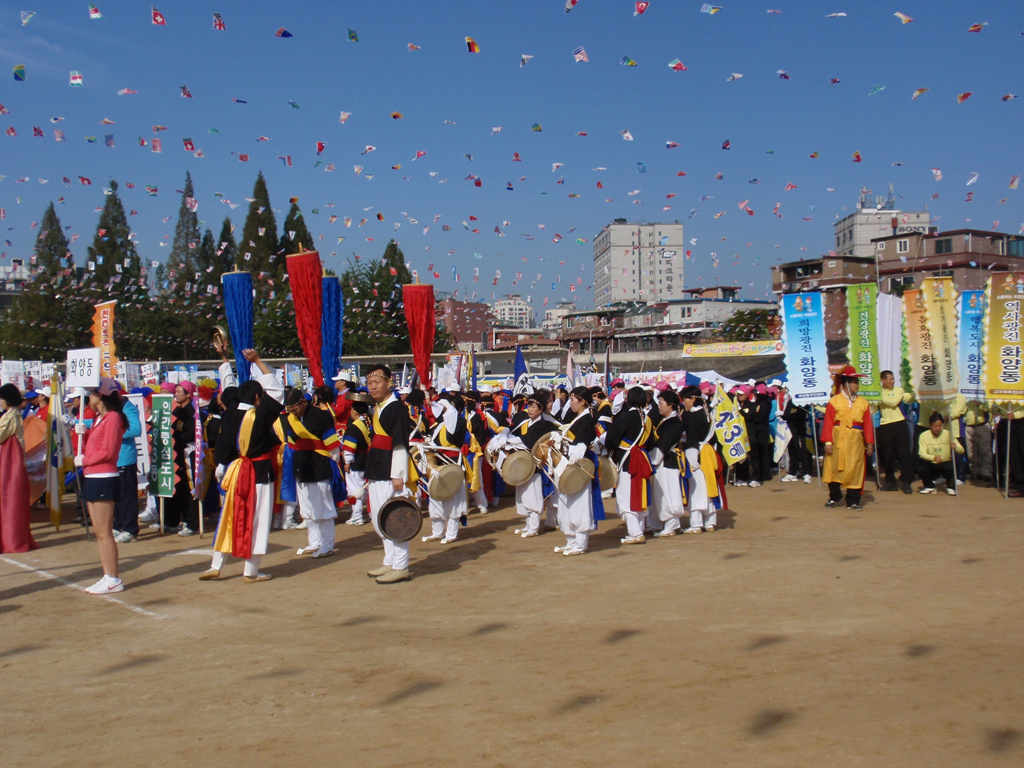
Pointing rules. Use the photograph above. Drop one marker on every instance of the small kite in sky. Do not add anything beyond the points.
(413, 47)
(833, 81)
(1014, 182)
(94, 12)
(813, 155)
(353, 36)
(580, 55)
(856, 157)
(919, 92)
(396, 115)
(783, 74)
(218, 23)
(185, 92)
(368, 150)
(125, 92)
(790, 187)
(524, 58)
(471, 45)
(26, 17)
(282, 32)
(1009, 96)
(733, 76)
(344, 116)
(937, 173)
(76, 78)
(626, 135)
(294, 105)
(977, 27)
(570, 4)
(677, 66)
(158, 18)
(536, 127)
(772, 10)
(973, 179)
(670, 145)
(962, 97)
(19, 73)
(835, 15)
(726, 144)
(876, 89)
(903, 17)
(640, 7)
(712, 9)
(627, 62)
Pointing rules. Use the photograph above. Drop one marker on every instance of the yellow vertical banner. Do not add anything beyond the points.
(730, 428)
(920, 350)
(940, 299)
(103, 337)
(1001, 349)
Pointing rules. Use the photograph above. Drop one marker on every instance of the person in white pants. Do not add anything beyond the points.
(316, 448)
(667, 484)
(446, 439)
(576, 511)
(629, 430)
(354, 448)
(387, 468)
(242, 531)
(697, 425)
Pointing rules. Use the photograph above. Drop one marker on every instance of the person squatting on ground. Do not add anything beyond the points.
(934, 449)
(315, 448)
(848, 435)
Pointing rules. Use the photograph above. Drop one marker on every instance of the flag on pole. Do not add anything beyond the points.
(94, 12)
(158, 18)
(218, 23)
(569, 371)
(472, 368)
(521, 374)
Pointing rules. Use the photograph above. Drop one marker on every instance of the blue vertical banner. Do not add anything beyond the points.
(803, 332)
(969, 338)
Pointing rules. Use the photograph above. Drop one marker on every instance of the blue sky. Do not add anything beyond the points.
(773, 125)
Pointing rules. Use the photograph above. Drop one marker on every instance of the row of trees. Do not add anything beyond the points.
(167, 310)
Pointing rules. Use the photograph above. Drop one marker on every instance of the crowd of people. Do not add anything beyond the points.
(279, 457)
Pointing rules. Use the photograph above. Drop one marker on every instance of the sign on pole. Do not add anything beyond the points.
(83, 369)
(860, 305)
(163, 444)
(1003, 349)
(972, 312)
(803, 333)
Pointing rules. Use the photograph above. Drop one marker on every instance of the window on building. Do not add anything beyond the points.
(1015, 248)
(837, 241)
(569, 323)
(943, 273)
(902, 246)
(944, 246)
(881, 246)
(899, 284)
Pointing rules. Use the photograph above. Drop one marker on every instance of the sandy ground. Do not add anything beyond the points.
(796, 636)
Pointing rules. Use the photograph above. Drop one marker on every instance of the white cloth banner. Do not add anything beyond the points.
(890, 334)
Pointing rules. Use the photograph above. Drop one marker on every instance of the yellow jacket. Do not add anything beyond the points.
(929, 446)
(889, 406)
(977, 414)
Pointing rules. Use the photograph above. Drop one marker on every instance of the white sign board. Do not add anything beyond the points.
(83, 368)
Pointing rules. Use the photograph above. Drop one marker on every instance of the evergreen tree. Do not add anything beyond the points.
(295, 237)
(181, 262)
(36, 327)
(114, 273)
(226, 247)
(374, 314)
(259, 246)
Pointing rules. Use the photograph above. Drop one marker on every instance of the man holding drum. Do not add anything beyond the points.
(446, 441)
(576, 511)
(387, 468)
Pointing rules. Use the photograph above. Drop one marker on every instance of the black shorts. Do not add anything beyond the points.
(101, 489)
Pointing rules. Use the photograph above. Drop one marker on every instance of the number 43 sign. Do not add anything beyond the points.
(83, 368)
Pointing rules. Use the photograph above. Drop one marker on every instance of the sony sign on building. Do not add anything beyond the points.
(855, 232)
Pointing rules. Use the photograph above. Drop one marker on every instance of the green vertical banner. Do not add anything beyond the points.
(163, 444)
(863, 335)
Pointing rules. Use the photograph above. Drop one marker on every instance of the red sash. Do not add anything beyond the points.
(381, 442)
(244, 518)
(640, 471)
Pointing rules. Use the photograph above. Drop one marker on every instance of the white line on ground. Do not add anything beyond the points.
(205, 552)
(47, 575)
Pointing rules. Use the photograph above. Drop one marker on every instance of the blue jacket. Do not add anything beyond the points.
(129, 455)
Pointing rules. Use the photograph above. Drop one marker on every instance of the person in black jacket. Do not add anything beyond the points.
(528, 426)
(799, 457)
(667, 508)
(759, 431)
(696, 426)
(625, 440)
(183, 432)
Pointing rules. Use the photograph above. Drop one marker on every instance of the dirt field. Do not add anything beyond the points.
(796, 636)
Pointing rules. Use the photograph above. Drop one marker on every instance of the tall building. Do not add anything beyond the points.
(553, 317)
(513, 311)
(468, 322)
(638, 262)
(855, 232)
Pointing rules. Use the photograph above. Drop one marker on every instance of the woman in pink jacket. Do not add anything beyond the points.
(101, 489)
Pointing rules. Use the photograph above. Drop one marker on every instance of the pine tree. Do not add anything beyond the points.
(114, 273)
(295, 237)
(181, 260)
(226, 247)
(36, 328)
(374, 314)
(259, 246)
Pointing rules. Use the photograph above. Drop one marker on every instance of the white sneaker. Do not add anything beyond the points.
(106, 586)
(607, 494)
(529, 534)
(959, 482)
(951, 492)
(301, 526)
(186, 531)
(755, 484)
(790, 479)
(927, 490)
(323, 553)
(807, 479)
(147, 517)
(446, 540)
(125, 538)
(572, 551)
(356, 521)
(664, 534)
(739, 484)
(430, 538)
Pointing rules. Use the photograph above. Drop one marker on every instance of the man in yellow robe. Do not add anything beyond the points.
(849, 435)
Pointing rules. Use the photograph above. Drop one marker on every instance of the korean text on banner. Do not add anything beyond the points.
(940, 314)
(971, 315)
(103, 337)
(163, 444)
(1001, 344)
(803, 333)
(919, 348)
(863, 335)
(83, 369)
(730, 429)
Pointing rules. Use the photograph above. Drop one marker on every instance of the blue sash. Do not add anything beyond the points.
(596, 502)
(288, 488)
